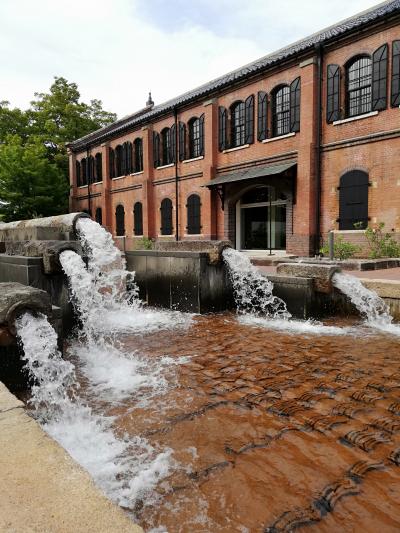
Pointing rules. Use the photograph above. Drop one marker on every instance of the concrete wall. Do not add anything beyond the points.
(184, 281)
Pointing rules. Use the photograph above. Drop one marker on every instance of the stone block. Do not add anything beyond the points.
(214, 249)
(48, 250)
(321, 274)
(60, 227)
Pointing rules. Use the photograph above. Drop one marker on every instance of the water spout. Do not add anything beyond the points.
(367, 302)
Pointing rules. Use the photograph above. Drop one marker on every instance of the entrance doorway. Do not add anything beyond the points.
(261, 220)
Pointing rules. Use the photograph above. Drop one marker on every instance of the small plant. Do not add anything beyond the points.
(341, 249)
(144, 244)
(381, 243)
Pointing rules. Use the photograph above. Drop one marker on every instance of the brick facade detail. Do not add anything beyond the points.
(369, 142)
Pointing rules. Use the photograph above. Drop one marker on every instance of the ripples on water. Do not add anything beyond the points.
(220, 423)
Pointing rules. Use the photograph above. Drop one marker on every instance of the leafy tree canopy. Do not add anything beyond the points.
(30, 184)
(33, 156)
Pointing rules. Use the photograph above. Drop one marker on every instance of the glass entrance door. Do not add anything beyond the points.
(262, 220)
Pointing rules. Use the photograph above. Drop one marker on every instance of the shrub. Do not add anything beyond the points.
(341, 249)
(144, 244)
(381, 243)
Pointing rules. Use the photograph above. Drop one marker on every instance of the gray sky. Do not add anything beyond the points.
(117, 50)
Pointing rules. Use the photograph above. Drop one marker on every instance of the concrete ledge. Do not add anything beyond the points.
(321, 274)
(383, 287)
(42, 488)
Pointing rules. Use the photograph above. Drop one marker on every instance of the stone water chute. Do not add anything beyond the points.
(15, 300)
(30, 255)
(59, 228)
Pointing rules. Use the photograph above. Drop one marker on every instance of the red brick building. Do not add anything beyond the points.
(272, 155)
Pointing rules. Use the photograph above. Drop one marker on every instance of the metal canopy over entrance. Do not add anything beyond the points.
(250, 173)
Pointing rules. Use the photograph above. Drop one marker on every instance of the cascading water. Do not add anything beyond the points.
(257, 305)
(368, 303)
(126, 469)
(252, 291)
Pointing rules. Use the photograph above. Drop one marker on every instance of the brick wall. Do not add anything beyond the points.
(369, 143)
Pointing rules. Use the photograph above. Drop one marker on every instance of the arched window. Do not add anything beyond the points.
(281, 111)
(118, 160)
(359, 86)
(238, 124)
(99, 167)
(84, 172)
(138, 144)
(166, 146)
(120, 220)
(78, 174)
(353, 200)
(194, 137)
(99, 216)
(193, 215)
(138, 219)
(166, 217)
(126, 158)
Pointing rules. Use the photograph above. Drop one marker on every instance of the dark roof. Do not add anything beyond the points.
(250, 173)
(356, 22)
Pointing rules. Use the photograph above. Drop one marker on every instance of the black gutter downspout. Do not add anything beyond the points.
(317, 170)
(88, 178)
(176, 177)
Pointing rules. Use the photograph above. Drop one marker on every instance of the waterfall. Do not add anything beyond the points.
(257, 305)
(99, 291)
(126, 469)
(252, 291)
(369, 304)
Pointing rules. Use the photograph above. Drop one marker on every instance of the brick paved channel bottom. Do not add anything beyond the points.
(273, 431)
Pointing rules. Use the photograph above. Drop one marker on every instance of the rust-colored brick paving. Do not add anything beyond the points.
(273, 431)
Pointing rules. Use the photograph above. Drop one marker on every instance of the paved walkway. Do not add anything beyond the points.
(42, 489)
(385, 273)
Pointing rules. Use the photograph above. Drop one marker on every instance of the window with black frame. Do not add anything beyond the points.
(120, 221)
(78, 174)
(359, 86)
(166, 217)
(99, 167)
(238, 124)
(353, 200)
(138, 145)
(138, 218)
(194, 138)
(193, 207)
(166, 146)
(84, 171)
(281, 111)
(118, 160)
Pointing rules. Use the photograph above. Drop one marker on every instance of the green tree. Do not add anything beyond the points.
(54, 118)
(30, 184)
(12, 121)
(58, 116)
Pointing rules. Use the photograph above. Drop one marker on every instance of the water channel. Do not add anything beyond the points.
(243, 422)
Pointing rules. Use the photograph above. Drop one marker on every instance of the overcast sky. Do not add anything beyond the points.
(118, 50)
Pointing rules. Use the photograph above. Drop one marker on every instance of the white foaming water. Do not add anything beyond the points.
(257, 305)
(368, 303)
(99, 292)
(252, 291)
(126, 469)
(304, 327)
